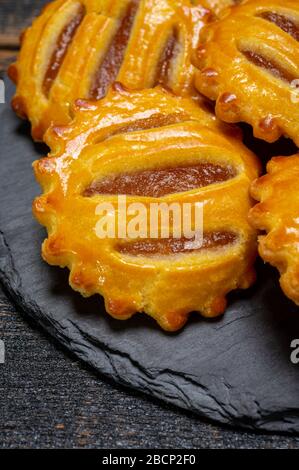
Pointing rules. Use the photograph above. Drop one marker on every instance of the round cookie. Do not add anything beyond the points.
(249, 65)
(153, 148)
(278, 215)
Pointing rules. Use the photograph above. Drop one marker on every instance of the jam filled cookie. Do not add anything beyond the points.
(278, 215)
(78, 48)
(249, 64)
(151, 148)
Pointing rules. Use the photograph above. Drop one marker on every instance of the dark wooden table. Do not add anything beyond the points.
(50, 399)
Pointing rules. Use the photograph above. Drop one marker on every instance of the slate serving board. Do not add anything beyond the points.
(235, 370)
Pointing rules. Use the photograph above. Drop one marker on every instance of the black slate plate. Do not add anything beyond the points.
(234, 370)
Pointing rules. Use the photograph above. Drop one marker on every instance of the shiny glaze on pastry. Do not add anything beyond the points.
(249, 64)
(78, 48)
(277, 214)
(132, 143)
(219, 7)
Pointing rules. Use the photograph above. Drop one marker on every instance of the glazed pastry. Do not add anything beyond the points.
(219, 6)
(76, 49)
(249, 65)
(152, 147)
(278, 215)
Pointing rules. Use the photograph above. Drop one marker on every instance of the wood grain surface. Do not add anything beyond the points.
(14, 17)
(49, 399)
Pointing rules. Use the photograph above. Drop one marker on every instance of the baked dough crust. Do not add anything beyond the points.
(249, 65)
(149, 130)
(92, 43)
(218, 7)
(278, 215)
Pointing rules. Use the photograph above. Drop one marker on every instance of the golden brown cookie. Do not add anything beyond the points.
(151, 147)
(278, 215)
(249, 64)
(76, 49)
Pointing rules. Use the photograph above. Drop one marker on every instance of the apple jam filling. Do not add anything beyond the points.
(284, 23)
(111, 64)
(159, 182)
(270, 65)
(167, 57)
(65, 38)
